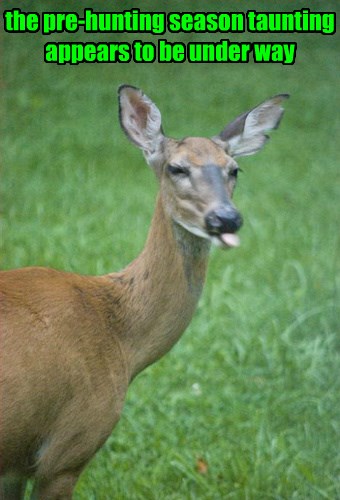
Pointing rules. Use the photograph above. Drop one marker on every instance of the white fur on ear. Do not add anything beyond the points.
(246, 134)
(140, 119)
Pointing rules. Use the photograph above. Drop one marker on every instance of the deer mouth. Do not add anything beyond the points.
(222, 240)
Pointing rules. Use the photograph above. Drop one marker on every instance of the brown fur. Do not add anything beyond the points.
(71, 344)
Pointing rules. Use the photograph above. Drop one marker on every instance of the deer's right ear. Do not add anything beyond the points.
(140, 119)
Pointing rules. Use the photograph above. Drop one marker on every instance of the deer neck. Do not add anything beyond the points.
(164, 285)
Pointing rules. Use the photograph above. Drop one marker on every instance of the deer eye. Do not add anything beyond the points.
(234, 172)
(178, 171)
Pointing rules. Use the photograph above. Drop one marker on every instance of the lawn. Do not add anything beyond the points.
(247, 404)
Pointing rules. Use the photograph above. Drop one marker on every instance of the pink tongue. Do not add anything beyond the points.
(232, 240)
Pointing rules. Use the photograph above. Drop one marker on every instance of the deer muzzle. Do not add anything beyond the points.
(223, 222)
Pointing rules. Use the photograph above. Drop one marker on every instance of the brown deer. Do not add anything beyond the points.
(71, 344)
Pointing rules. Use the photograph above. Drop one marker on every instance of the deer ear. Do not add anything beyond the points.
(140, 119)
(246, 134)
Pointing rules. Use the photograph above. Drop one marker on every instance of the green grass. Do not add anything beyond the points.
(253, 387)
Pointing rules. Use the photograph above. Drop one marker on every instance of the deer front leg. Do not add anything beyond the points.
(59, 487)
(12, 488)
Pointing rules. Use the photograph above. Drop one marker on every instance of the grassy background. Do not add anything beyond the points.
(246, 406)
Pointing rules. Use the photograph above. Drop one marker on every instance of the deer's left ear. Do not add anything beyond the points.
(246, 134)
(140, 119)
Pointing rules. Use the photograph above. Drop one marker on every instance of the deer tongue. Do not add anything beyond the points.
(230, 239)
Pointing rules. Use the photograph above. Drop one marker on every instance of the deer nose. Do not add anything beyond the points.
(223, 220)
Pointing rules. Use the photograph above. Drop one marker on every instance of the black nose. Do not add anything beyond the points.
(223, 220)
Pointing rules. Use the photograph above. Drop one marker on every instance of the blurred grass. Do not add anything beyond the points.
(252, 389)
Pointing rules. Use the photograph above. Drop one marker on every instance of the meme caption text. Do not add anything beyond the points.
(159, 23)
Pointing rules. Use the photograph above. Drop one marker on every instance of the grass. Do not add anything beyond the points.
(246, 406)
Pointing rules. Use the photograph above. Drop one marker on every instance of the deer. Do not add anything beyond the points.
(71, 344)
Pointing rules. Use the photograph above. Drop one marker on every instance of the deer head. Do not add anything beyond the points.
(198, 175)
